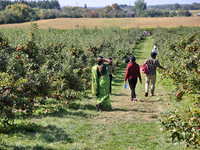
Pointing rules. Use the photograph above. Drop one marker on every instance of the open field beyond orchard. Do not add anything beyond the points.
(68, 23)
(194, 12)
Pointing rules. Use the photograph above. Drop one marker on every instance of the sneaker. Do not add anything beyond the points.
(146, 94)
(135, 100)
(110, 94)
(131, 99)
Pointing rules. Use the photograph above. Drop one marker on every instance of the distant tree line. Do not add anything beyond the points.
(165, 13)
(176, 6)
(23, 11)
(45, 4)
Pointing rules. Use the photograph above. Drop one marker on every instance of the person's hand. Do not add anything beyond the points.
(113, 74)
(141, 81)
(124, 82)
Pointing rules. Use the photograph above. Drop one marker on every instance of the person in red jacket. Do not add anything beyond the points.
(132, 73)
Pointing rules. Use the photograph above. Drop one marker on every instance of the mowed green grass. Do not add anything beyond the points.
(69, 23)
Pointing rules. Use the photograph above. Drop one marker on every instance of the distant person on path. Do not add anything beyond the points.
(126, 60)
(100, 84)
(152, 63)
(111, 70)
(132, 73)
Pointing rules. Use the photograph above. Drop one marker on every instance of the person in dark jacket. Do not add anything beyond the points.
(132, 73)
(111, 70)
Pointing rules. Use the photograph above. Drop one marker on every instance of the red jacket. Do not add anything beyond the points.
(132, 71)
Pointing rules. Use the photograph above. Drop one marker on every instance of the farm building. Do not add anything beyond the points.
(131, 14)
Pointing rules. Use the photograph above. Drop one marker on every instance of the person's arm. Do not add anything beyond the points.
(161, 67)
(139, 74)
(107, 60)
(146, 62)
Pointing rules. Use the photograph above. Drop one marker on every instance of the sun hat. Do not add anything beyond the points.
(155, 50)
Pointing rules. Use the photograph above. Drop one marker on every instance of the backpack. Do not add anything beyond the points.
(144, 68)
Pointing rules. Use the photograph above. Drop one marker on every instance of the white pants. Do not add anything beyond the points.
(153, 81)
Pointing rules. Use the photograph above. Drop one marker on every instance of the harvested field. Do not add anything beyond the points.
(68, 23)
(194, 12)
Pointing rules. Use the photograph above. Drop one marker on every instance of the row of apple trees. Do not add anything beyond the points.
(179, 52)
(37, 65)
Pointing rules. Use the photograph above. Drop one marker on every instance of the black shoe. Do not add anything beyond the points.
(146, 94)
(97, 107)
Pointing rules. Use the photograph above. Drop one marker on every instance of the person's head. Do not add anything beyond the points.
(155, 47)
(99, 62)
(109, 58)
(132, 58)
(153, 55)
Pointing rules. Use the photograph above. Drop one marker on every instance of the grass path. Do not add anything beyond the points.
(147, 108)
(140, 119)
(132, 124)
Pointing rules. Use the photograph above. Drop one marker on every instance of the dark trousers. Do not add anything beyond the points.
(132, 83)
(110, 76)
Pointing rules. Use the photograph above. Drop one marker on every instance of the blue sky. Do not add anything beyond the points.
(95, 3)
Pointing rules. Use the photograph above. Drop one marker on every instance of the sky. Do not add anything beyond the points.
(103, 3)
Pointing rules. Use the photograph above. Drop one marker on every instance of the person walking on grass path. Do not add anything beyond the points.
(100, 84)
(111, 70)
(152, 63)
(132, 73)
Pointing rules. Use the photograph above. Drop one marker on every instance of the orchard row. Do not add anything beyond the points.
(54, 64)
(179, 52)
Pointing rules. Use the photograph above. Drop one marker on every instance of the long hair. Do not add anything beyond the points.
(132, 58)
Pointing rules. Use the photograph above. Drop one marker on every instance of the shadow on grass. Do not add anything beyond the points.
(120, 94)
(88, 107)
(62, 113)
(116, 84)
(125, 110)
(129, 110)
(151, 101)
(88, 97)
(37, 147)
(32, 131)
